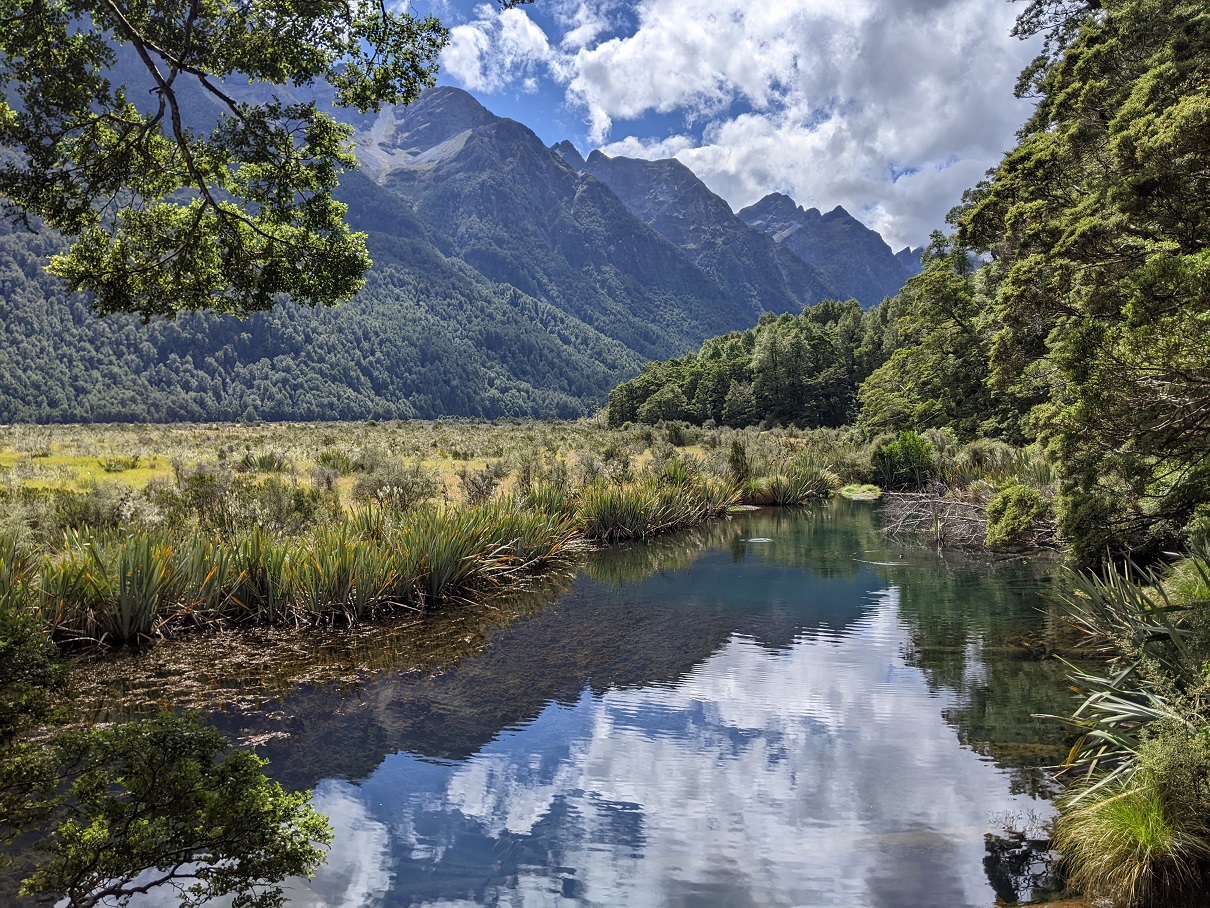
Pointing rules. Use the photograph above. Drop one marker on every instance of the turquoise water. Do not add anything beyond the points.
(778, 709)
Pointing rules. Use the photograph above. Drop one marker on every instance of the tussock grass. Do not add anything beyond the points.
(1125, 845)
(126, 587)
(1189, 580)
(612, 513)
(803, 481)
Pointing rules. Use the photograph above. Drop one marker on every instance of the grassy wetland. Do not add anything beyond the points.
(116, 535)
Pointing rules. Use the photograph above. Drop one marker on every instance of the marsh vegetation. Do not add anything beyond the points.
(115, 535)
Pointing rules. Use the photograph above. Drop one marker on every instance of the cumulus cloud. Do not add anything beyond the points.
(497, 49)
(888, 108)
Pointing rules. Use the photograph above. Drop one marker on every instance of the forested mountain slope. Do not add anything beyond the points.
(427, 337)
(507, 282)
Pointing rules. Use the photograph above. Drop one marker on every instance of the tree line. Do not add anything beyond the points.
(1069, 308)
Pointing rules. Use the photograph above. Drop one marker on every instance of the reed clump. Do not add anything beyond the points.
(126, 587)
(803, 481)
(227, 526)
(610, 512)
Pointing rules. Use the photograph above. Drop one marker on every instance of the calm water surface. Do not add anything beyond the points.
(778, 709)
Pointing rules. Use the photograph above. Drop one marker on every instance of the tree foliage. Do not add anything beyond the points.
(801, 369)
(1100, 218)
(134, 807)
(937, 376)
(125, 126)
(157, 804)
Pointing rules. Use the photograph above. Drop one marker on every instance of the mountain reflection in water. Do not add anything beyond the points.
(774, 725)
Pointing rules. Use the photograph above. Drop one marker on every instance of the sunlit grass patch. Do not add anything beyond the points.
(861, 492)
(1125, 844)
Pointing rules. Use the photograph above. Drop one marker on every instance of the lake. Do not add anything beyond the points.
(782, 708)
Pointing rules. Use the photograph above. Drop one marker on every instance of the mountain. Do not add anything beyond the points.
(747, 264)
(570, 154)
(427, 337)
(493, 195)
(509, 279)
(911, 259)
(852, 256)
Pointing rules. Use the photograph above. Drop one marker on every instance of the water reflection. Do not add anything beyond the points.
(823, 719)
(821, 773)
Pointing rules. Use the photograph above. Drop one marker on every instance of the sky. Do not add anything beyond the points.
(890, 108)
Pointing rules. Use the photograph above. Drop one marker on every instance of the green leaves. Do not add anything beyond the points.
(1101, 216)
(182, 189)
(161, 802)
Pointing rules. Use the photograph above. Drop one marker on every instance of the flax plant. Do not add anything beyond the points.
(456, 549)
(341, 578)
(16, 574)
(1133, 828)
(262, 595)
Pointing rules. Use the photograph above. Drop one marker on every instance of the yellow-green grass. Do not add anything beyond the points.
(861, 492)
(78, 471)
(1125, 845)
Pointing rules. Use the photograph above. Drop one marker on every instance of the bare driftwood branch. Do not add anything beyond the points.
(941, 517)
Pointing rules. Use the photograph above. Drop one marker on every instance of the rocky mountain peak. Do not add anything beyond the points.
(570, 154)
(852, 256)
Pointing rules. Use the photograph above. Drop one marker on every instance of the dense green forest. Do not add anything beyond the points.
(427, 336)
(803, 370)
(1070, 308)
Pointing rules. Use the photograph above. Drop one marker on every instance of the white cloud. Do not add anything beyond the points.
(497, 48)
(827, 100)
(650, 149)
(583, 23)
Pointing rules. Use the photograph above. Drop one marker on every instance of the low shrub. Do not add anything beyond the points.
(907, 463)
(480, 485)
(396, 485)
(280, 506)
(1013, 515)
(738, 463)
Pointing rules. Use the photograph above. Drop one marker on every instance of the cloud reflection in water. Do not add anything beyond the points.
(822, 773)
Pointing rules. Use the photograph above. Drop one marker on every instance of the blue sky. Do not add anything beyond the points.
(888, 107)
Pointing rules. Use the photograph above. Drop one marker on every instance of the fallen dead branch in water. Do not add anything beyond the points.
(948, 522)
(950, 518)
